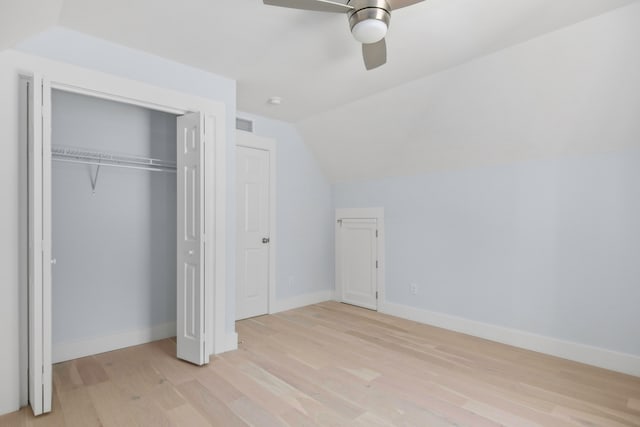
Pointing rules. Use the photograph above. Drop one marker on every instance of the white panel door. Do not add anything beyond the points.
(357, 262)
(190, 246)
(252, 263)
(39, 155)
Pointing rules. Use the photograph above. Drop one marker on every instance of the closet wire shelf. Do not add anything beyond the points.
(97, 158)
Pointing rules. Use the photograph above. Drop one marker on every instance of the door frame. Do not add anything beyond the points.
(362, 213)
(87, 82)
(251, 140)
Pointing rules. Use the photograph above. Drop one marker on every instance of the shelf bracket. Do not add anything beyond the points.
(94, 178)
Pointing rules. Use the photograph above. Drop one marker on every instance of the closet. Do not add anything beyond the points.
(113, 225)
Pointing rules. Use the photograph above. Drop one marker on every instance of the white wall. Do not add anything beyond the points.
(513, 195)
(68, 46)
(11, 218)
(304, 239)
(549, 247)
(115, 248)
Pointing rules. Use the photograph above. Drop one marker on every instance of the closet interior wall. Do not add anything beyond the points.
(115, 247)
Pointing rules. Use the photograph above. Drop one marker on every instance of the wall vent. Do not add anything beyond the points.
(244, 124)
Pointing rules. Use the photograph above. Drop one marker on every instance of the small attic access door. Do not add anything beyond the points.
(197, 215)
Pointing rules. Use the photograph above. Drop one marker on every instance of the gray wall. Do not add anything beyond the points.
(545, 246)
(304, 210)
(115, 249)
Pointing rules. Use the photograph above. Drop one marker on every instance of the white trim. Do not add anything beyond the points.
(47, 246)
(24, 242)
(362, 213)
(37, 236)
(76, 349)
(595, 356)
(217, 299)
(251, 140)
(302, 300)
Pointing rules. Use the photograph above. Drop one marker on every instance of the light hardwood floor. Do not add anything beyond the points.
(337, 365)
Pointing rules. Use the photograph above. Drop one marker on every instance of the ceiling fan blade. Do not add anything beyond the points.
(399, 4)
(374, 54)
(315, 5)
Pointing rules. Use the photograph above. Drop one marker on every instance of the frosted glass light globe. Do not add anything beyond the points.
(369, 31)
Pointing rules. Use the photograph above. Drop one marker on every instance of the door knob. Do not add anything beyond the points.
(265, 240)
(191, 252)
(54, 261)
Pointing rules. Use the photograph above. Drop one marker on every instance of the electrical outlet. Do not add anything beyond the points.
(414, 289)
(291, 282)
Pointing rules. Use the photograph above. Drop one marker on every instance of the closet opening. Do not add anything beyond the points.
(126, 230)
(114, 216)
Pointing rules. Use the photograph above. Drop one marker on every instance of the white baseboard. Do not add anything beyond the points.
(302, 301)
(600, 357)
(73, 350)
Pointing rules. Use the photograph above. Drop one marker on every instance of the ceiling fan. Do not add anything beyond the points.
(369, 21)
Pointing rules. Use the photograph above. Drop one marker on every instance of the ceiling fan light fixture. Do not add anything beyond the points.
(369, 31)
(369, 20)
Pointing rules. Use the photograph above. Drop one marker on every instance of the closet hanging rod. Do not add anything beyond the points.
(82, 156)
(115, 165)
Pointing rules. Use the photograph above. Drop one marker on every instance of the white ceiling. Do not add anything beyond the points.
(23, 18)
(310, 59)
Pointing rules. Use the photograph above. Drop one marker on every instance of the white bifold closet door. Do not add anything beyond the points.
(191, 314)
(39, 155)
(191, 249)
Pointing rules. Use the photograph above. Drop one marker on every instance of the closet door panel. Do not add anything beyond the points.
(190, 254)
(39, 155)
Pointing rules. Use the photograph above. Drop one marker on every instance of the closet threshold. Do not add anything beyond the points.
(98, 158)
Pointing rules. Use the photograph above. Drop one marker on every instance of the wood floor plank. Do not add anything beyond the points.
(187, 415)
(253, 414)
(91, 371)
(332, 364)
(78, 408)
(210, 407)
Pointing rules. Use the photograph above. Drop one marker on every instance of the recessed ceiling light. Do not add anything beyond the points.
(274, 100)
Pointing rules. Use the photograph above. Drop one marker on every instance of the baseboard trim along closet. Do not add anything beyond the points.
(74, 350)
(302, 301)
(595, 356)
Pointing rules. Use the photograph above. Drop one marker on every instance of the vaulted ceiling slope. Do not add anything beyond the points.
(573, 91)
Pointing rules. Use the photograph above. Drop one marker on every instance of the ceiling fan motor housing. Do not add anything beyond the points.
(363, 10)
